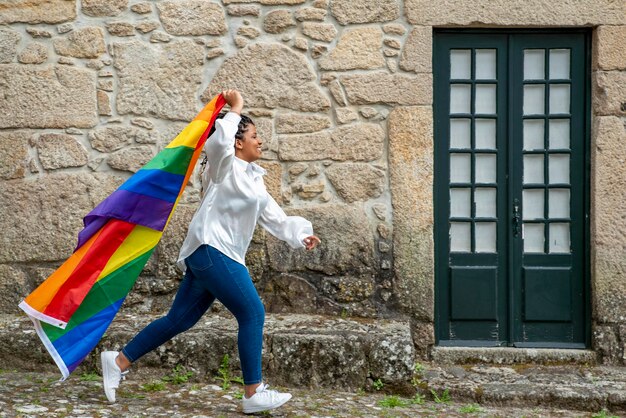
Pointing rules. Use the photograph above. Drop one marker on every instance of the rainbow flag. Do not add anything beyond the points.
(73, 308)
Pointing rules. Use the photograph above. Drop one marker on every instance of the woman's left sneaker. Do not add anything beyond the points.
(111, 374)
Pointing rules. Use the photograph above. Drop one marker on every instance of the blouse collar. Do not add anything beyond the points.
(252, 169)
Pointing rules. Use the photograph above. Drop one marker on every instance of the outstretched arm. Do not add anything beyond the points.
(294, 230)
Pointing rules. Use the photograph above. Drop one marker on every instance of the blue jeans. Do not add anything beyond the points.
(210, 274)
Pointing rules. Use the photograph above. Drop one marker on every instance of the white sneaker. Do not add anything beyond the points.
(111, 374)
(264, 399)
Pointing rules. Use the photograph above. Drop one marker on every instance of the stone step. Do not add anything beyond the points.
(299, 350)
(510, 355)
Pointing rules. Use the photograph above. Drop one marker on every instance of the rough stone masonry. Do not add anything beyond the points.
(341, 93)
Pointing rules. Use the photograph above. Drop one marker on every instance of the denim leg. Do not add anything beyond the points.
(231, 284)
(191, 302)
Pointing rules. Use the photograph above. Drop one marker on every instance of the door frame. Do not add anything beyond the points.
(439, 235)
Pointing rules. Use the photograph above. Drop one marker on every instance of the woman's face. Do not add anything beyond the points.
(249, 147)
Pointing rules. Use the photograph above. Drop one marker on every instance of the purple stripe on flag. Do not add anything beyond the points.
(127, 206)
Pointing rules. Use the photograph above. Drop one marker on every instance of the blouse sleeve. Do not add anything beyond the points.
(291, 229)
(220, 148)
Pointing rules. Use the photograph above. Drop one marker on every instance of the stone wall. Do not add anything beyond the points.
(341, 93)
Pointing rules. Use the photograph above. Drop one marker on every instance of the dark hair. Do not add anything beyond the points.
(241, 128)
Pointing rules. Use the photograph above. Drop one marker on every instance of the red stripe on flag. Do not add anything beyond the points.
(71, 294)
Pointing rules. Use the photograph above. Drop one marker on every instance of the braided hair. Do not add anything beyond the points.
(241, 129)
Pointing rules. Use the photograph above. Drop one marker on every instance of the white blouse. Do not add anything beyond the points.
(235, 199)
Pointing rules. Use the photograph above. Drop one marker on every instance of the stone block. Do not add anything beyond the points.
(14, 287)
(141, 8)
(417, 51)
(310, 13)
(338, 145)
(8, 45)
(266, 2)
(609, 93)
(34, 12)
(345, 115)
(364, 11)
(504, 12)
(411, 178)
(147, 27)
(161, 80)
(348, 289)
(38, 222)
(288, 293)
(65, 95)
(270, 76)
(104, 104)
(609, 240)
(277, 21)
(131, 158)
(297, 123)
(608, 48)
(34, 53)
(384, 88)
(243, 10)
(347, 244)
(60, 151)
(356, 181)
(120, 28)
(192, 17)
(13, 154)
(81, 43)
(102, 8)
(605, 343)
(325, 32)
(112, 138)
(273, 179)
(356, 49)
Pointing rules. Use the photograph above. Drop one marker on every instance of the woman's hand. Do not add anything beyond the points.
(234, 100)
(311, 242)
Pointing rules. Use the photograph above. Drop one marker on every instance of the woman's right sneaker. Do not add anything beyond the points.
(264, 399)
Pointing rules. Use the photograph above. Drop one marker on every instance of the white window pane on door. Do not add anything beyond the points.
(534, 64)
(460, 98)
(485, 237)
(533, 238)
(559, 98)
(558, 170)
(485, 134)
(485, 202)
(460, 237)
(534, 103)
(533, 169)
(460, 203)
(558, 203)
(559, 238)
(485, 168)
(533, 134)
(460, 168)
(558, 133)
(485, 64)
(485, 99)
(460, 64)
(533, 201)
(460, 133)
(559, 64)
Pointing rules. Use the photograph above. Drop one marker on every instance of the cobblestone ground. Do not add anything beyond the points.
(145, 394)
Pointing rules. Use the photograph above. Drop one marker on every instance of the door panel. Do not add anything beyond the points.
(509, 188)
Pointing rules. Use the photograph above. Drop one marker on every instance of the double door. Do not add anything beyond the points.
(510, 189)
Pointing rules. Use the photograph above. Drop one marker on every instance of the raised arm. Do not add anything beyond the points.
(219, 148)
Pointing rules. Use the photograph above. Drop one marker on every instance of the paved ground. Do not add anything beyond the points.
(150, 393)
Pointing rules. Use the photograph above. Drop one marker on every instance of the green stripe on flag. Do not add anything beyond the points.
(172, 160)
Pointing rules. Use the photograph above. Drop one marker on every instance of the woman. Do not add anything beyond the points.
(213, 256)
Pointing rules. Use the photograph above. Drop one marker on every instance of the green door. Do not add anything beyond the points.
(510, 188)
